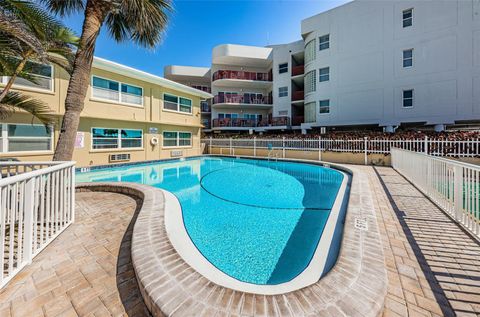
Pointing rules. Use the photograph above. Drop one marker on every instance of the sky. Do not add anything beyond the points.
(196, 26)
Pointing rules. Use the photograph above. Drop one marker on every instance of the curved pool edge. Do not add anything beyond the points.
(181, 240)
(356, 285)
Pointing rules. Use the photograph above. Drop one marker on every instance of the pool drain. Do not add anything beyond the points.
(361, 223)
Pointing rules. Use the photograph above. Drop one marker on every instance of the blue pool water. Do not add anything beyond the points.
(257, 221)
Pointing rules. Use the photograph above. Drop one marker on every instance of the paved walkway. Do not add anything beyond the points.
(433, 266)
(87, 271)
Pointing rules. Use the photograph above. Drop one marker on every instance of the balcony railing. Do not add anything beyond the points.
(250, 123)
(205, 107)
(298, 70)
(244, 99)
(202, 88)
(298, 95)
(237, 74)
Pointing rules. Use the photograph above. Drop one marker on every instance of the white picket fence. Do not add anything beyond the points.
(436, 147)
(37, 201)
(454, 186)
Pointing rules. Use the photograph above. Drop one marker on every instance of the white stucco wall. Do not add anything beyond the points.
(365, 59)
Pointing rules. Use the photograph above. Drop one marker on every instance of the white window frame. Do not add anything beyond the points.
(4, 138)
(283, 68)
(410, 58)
(178, 105)
(119, 102)
(284, 94)
(323, 43)
(320, 75)
(405, 19)
(403, 98)
(320, 107)
(119, 140)
(177, 140)
(4, 80)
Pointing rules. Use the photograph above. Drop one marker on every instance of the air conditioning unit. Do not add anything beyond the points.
(119, 157)
(176, 153)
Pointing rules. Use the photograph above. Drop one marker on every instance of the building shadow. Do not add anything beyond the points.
(127, 285)
(425, 233)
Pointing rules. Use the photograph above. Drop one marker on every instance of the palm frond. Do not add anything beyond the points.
(142, 21)
(64, 7)
(15, 101)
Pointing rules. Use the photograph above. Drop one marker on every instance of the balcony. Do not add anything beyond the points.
(298, 95)
(205, 107)
(298, 70)
(246, 99)
(250, 123)
(202, 88)
(241, 75)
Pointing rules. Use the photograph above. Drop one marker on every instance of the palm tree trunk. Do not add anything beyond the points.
(95, 12)
(18, 69)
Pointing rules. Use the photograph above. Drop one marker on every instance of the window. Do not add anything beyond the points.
(25, 138)
(283, 68)
(175, 103)
(310, 82)
(107, 138)
(408, 58)
(283, 91)
(408, 98)
(42, 77)
(324, 42)
(324, 106)
(115, 91)
(407, 18)
(324, 74)
(177, 139)
(227, 115)
(310, 51)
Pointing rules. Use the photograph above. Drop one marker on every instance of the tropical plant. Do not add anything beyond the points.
(29, 35)
(140, 21)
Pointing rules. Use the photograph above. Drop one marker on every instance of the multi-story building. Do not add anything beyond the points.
(374, 64)
(129, 115)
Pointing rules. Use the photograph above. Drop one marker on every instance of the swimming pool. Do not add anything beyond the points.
(257, 221)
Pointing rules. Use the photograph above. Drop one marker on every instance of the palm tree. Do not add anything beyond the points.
(140, 21)
(29, 34)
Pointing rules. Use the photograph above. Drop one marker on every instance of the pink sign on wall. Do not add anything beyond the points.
(80, 140)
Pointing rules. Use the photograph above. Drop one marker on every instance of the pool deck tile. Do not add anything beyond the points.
(430, 263)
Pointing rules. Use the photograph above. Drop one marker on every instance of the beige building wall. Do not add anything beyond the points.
(151, 118)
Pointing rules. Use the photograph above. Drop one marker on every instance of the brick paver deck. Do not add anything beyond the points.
(87, 271)
(433, 265)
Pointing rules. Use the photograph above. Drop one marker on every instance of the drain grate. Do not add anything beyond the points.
(361, 223)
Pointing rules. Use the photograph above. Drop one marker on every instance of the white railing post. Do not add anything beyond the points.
(230, 150)
(426, 145)
(283, 146)
(29, 194)
(255, 146)
(366, 150)
(72, 197)
(210, 146)
(458, 192)
(319, 149)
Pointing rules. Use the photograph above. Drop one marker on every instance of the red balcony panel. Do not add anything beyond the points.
(202, 88)
(298, 70)
(298, 120)
(244, 99)
(234, 74)
(298, 95)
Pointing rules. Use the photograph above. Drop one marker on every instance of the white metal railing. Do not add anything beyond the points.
(454, 186)
(37, 201)
(436, 147)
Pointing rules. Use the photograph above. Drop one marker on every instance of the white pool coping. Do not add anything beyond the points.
(187, 250)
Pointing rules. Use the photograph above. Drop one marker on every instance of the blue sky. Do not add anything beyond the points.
(197, 26)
